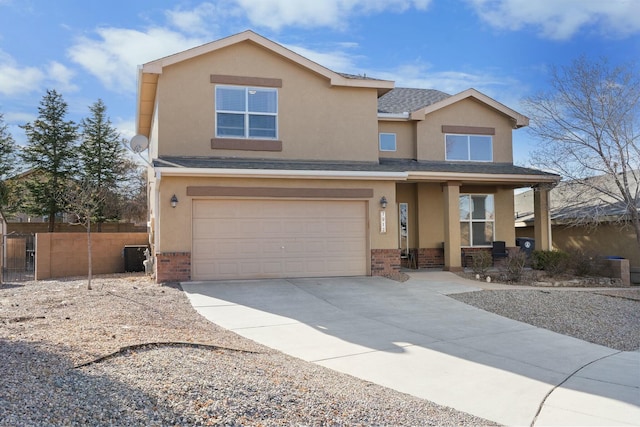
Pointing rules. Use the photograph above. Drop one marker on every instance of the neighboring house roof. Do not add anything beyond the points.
(148, 73)
(573, 201)
(407, 100)
(426, 170)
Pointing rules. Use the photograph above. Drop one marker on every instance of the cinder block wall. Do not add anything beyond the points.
(65, 254)
(61, 227)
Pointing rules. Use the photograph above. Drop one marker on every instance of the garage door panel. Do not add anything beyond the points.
(343, 247)
(314, 247)
(274, 227)
(236, 239)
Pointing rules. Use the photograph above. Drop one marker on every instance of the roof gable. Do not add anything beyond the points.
(518, 119)
(336, 79)
(149, 72)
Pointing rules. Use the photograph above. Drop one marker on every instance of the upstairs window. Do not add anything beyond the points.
(477, 148)
(387, 141)
(477, 219)
(246, 112)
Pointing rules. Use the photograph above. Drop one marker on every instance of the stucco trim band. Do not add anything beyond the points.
(245, 81)
(468, 130)
(246, 144)
(277, 173)
(480, 177)
(281, 192)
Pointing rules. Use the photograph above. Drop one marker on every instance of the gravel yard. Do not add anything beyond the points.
(62, 364)
(610, 318)
(131, 352)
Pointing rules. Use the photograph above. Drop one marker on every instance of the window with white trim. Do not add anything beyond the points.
(246, 112)
(477, 219)
(477, 148)
(387, 141)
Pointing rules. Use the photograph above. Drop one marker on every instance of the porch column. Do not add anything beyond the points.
(541, 218)
(452, 259)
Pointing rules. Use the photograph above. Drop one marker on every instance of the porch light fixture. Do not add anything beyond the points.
(383, 202)
(174, 201)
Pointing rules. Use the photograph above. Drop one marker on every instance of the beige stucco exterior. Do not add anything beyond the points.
(177, 237)
(405, 131)
(334, 123)
(427, 212)
(467, 112)
(322, 117)
(606, 239)
(423, 138)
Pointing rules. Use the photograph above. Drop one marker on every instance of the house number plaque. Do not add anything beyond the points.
(383, 222)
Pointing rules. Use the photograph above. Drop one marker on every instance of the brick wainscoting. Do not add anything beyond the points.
(430, 257)
(385, 262)
(173, 267)
(467, 255)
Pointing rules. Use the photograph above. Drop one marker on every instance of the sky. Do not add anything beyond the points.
(89, 50)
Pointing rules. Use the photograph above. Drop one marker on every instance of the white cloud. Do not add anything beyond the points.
(562, 19)
(18, 117)
(275, 14)
(503, 88)
(62, 77)
(420, 75)
(203, 19)
(114, 56)
(16, 79)
(336, 60)
(126, 128)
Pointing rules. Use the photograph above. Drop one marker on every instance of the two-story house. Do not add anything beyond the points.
(267, 164)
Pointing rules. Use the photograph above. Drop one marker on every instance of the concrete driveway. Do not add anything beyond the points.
(412, 338)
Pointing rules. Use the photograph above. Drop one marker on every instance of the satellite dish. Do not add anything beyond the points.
(139, 143)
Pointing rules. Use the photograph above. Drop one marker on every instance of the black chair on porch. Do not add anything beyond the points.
(499, 250)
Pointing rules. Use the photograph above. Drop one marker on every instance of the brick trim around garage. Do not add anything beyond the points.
(173, 267)
(385, 262)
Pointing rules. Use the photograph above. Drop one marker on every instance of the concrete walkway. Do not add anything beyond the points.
(412, 338)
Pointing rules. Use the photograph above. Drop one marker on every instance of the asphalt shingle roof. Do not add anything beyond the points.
(406, 100)
(385, 165)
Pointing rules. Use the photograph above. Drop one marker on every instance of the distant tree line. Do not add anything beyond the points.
(42, 178)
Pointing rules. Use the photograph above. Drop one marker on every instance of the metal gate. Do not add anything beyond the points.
(18, 257)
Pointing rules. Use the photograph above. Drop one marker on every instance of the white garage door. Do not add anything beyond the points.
(244, 239)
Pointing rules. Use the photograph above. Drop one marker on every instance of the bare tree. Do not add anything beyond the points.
(84, 201)
(589, 127)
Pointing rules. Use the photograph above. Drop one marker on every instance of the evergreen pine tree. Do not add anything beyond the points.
(101, 156)
(7, 151)
(51, 151)
(7, 162)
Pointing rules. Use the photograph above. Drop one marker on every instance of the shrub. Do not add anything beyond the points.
(513, 266)
(553, 262)
(584, 263)
(481, 261)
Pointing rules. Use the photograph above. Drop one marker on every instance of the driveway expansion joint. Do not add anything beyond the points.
(571, 375)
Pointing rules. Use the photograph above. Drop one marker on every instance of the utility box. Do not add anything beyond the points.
(133, 258)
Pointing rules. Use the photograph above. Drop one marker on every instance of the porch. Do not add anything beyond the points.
(440, 224)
